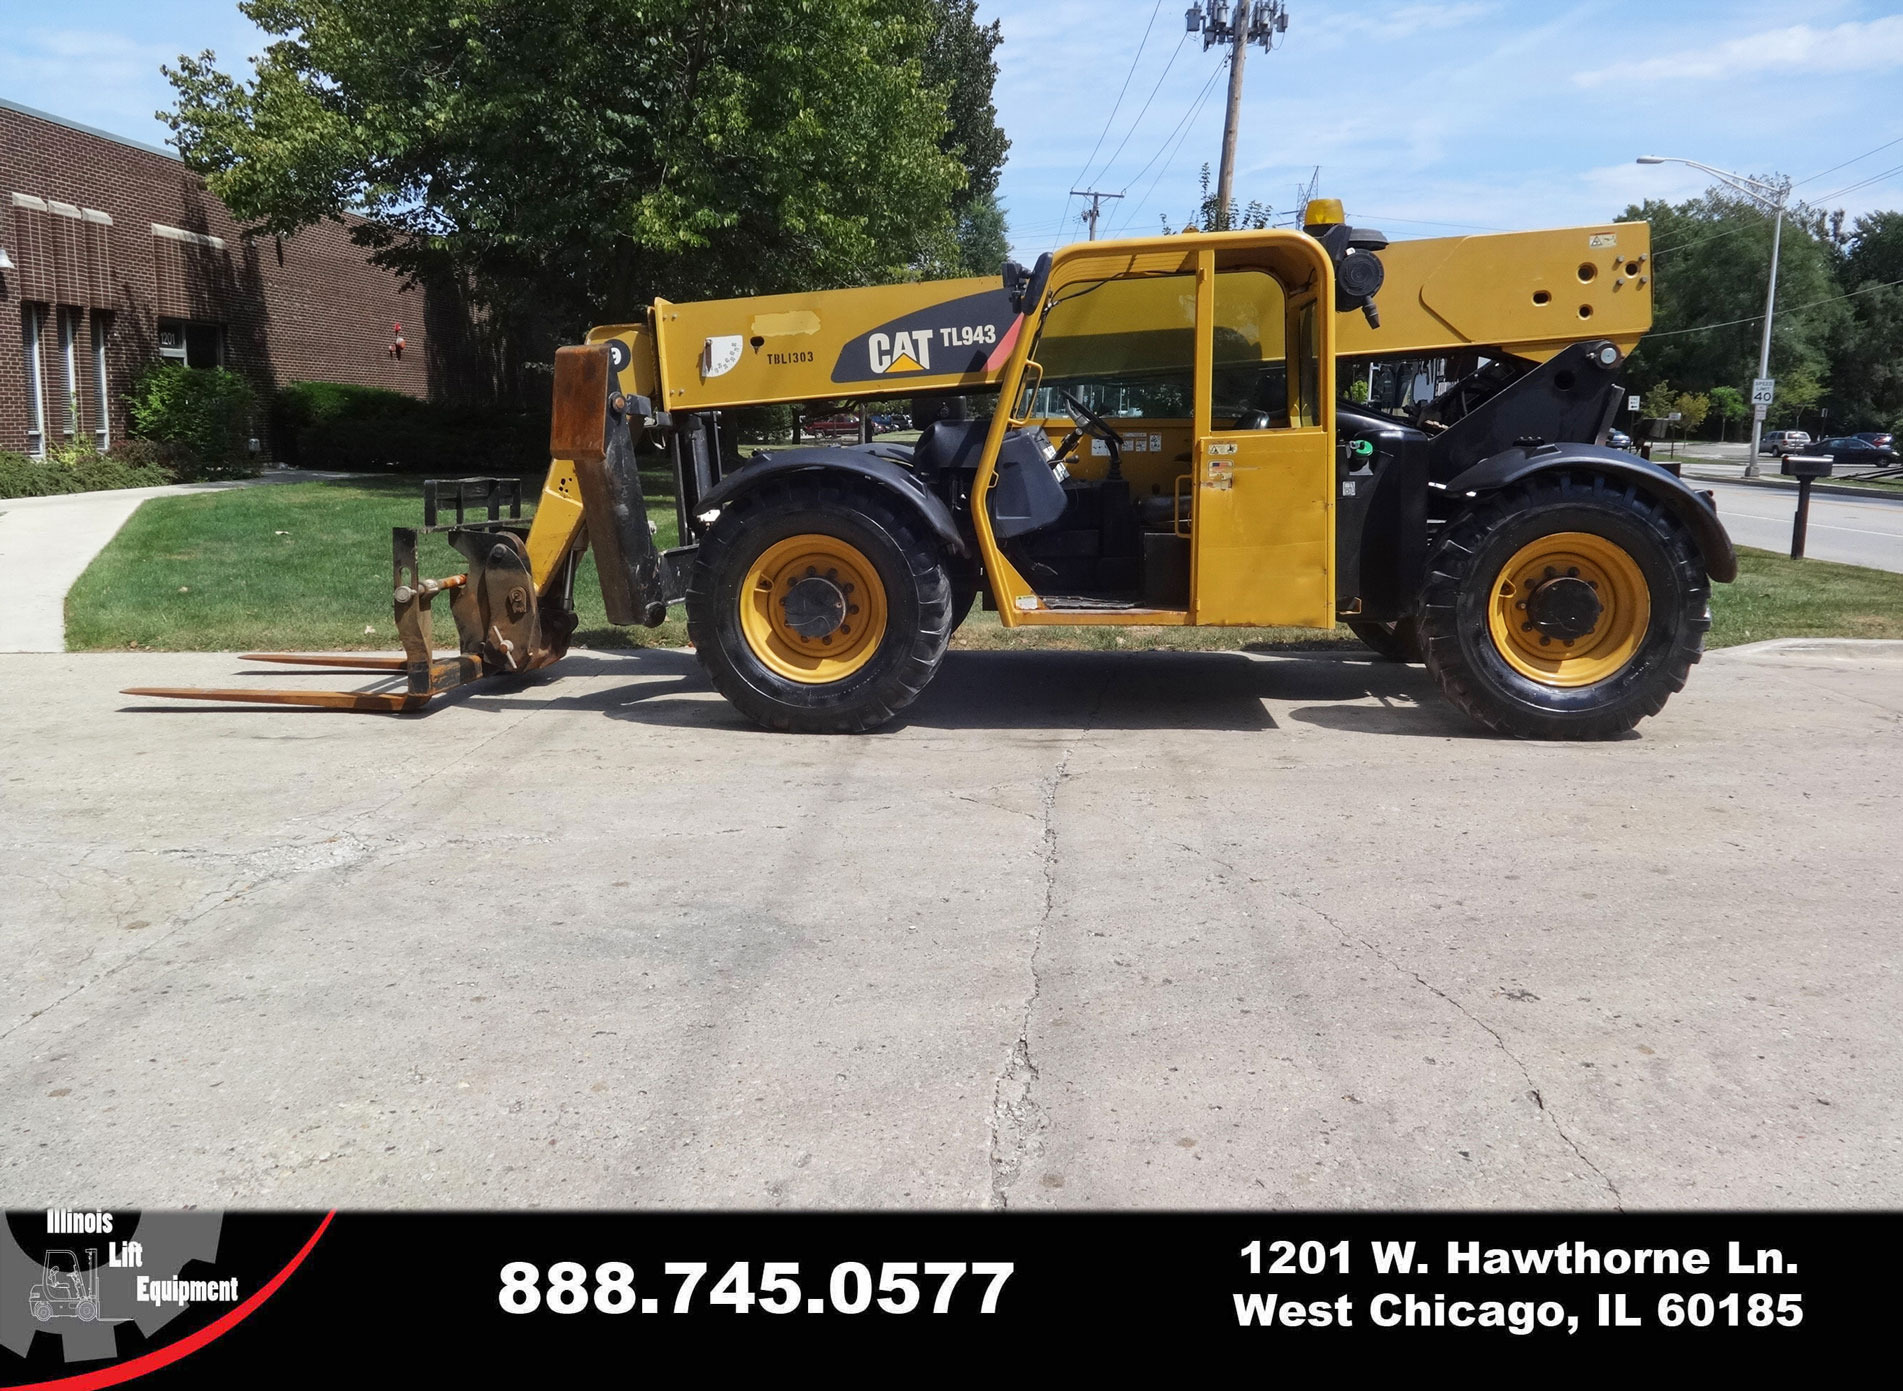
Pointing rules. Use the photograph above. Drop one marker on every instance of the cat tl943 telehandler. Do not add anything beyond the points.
(1169, 448)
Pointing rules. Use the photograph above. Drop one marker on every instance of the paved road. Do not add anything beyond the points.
(46, 543)
(1090, 929)
(1856, 531)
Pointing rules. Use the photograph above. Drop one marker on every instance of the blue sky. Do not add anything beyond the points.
(1426, 119)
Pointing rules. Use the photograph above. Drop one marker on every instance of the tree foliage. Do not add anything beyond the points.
(1211, 216)
(563, 163)
(1837, 334)
(1868, 351)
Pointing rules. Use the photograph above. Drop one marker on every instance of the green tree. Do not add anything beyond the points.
(1658, 401)
(1867, 355)
(1711, 258)
(984, 239)
(561, 163)
(960, 51)
(1692, 410)
(1209, 216)
(1729, 406)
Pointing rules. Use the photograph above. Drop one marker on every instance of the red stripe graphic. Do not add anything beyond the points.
(152, 1361)
(1002, 352)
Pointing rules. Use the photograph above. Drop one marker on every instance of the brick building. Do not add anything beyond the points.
(119, 254)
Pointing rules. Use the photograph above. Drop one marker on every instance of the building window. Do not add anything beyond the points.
(102, 398)
(194, 344)
(68, 371)
(31, 317)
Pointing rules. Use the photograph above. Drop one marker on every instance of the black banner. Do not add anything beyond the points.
(176, 1299)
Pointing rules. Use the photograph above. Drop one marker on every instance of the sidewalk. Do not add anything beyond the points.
(46, 543)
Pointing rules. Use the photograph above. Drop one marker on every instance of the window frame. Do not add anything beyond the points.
(102, 396)
(66, 325)
(32, 327)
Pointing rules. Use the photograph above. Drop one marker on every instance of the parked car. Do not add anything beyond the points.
(1854, 452)
(1883, 439)
(1782, 442)
(834, 427)
(1619, 439)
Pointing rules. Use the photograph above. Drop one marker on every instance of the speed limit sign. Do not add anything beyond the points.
(1762, 390)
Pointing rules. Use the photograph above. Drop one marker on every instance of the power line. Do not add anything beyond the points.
(1715, 236)
(1111, 162)
(1135, 58)
(1178, 134)
(1847, 163)
(1431, 222)
(1861, 183)
(1793, 309)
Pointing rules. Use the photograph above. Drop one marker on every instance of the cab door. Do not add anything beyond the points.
(1263, 459)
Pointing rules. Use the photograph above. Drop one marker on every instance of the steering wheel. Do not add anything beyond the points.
(1088, 422)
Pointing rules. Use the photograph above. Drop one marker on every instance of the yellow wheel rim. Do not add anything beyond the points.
(812, 609)
(1569, 609)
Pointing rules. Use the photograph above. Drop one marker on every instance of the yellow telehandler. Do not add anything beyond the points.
(1170, 446)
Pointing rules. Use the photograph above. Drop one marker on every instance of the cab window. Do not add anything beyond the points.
(1125, 348)
(1254, 387)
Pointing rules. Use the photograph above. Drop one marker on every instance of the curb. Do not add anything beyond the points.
(1846, 646)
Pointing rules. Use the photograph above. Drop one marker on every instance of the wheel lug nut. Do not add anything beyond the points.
(1545, 641)
(1573, 573)
(852, 608)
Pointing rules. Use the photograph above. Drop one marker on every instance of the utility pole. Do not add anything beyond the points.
(1096, 202)
(1259, 22)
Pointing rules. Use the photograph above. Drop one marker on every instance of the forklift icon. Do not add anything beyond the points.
(64, 1290)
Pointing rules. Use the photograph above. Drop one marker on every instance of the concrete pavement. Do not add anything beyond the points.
(46, 543)
(1089, 929)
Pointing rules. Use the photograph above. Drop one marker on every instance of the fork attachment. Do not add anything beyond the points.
(502, 625)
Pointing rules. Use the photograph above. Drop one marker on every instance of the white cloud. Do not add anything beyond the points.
(1799, 51)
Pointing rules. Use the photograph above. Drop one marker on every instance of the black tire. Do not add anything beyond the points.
(1391, 642)
(1460, 650)
(918, 598)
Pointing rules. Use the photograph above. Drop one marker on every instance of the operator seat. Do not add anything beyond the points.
(949, 444)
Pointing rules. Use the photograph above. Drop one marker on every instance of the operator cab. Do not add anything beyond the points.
(1097, 488)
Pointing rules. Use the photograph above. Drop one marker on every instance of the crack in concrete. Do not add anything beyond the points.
(1019, 1121)
(1348, 940)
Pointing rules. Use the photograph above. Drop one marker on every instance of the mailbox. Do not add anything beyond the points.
(1805, 468)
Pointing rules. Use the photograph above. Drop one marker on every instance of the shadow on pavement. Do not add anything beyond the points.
(1045, 690)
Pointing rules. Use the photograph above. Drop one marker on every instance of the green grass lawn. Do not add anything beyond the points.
(304, 567)
(301, 567)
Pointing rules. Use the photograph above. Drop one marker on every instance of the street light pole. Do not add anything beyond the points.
(1774, 198)
(1764, 344)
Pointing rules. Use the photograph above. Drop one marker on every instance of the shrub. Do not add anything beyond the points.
(80, 469)
(359, 429)
(203, 414)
